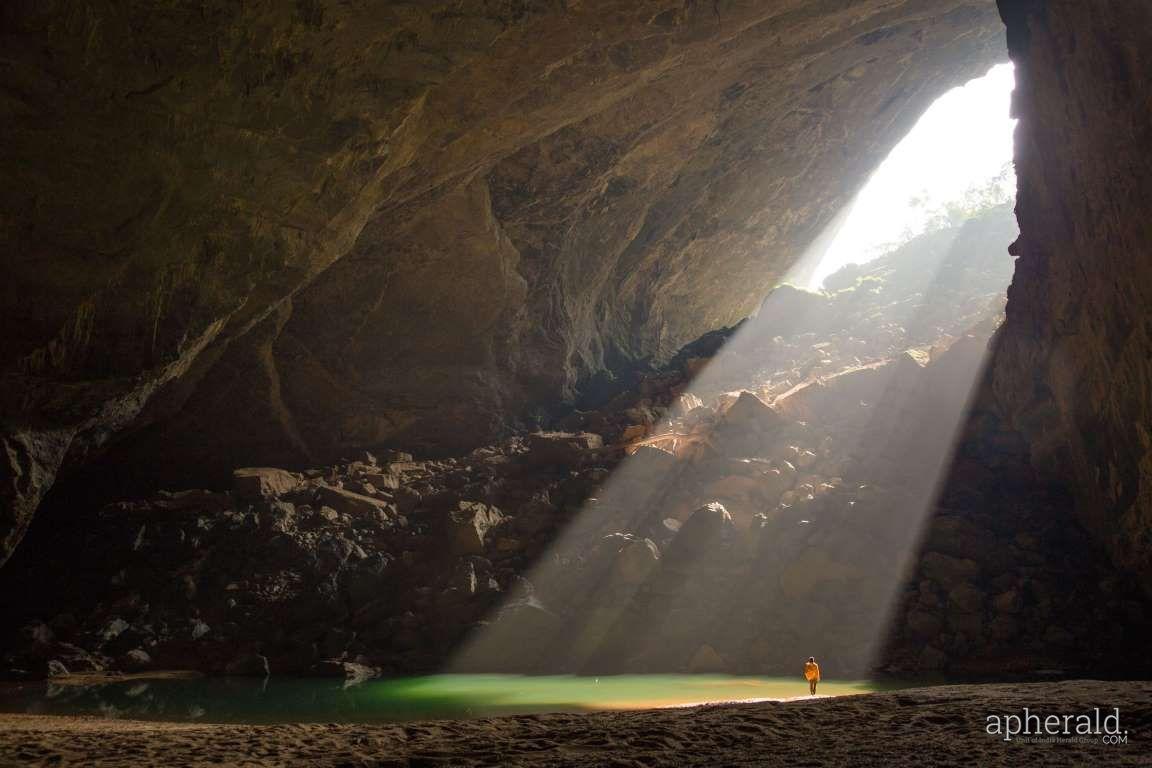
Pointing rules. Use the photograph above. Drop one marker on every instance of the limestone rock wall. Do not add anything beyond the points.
(1073, 369)
(238, 234)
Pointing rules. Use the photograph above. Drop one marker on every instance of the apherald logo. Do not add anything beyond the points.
(1030, 724)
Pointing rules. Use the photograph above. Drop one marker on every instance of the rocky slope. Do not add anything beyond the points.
(672, 528)
(265, 233)
(1073, 371)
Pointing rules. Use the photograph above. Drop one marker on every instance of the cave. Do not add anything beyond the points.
(374, 363)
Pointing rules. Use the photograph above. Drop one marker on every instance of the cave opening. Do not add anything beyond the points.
(953, 164)
(774, 513)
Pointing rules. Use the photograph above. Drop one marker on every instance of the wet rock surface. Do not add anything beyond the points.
(675, 528)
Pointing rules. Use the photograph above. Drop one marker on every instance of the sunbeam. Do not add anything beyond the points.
(772, 513)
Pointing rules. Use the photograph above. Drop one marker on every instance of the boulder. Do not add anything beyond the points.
(649, 464)
(349, 671)
(750, 412)
(775, 482)
(383, 480)
(463, 578)
(562, 448)
(324, 516)
(805, 459)
(788, 310)
(635, 561)
(255, 483)
(280, 517)
(77, 660)
(508, 544)
(469, 526)
(353, 504)
(641, 414)
(366, 579)
(38, 633)
(113, 629)
(685, 404)
(706, 530)
(743, 496)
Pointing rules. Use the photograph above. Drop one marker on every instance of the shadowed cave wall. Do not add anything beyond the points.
(269, 233)
(1073, 370)
(1039, 546)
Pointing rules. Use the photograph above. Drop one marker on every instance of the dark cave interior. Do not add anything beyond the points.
(455, 335)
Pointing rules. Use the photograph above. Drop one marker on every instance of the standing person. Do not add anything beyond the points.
(812, 674)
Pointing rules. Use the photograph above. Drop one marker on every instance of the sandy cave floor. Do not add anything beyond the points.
(939, 726)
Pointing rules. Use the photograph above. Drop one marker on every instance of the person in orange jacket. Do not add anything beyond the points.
(812, 674)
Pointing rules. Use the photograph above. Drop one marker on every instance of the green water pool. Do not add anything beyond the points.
(279, 700)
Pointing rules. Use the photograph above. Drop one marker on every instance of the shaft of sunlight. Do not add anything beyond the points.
(772, 512)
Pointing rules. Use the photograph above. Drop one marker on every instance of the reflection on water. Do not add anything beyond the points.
(249, 700)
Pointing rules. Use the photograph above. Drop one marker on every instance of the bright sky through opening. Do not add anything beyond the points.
(963, 140)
